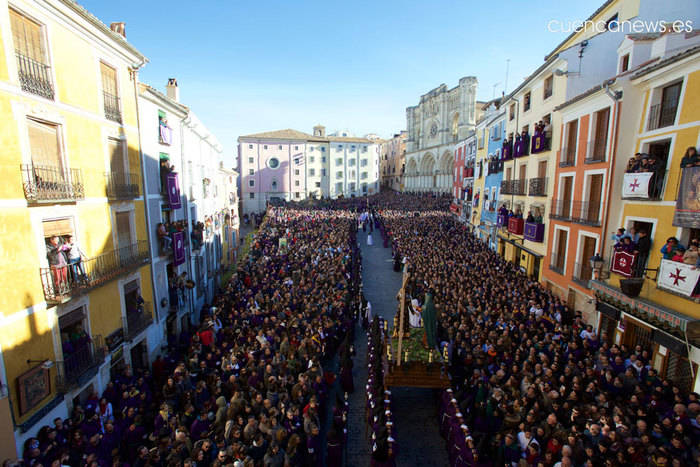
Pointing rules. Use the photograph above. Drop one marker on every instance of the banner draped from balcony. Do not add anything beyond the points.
(678, 277)
(173, 191)
(636, 185)
(688, 204)
(622, 263)
(538, 143)
(166, 134)
(178, 248)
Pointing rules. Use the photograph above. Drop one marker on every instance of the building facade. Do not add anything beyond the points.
(442, 118)
(393, 159)
(289, 165)
(73, 211)
(463, 185)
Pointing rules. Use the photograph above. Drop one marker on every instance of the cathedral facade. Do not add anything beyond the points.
(442, 118)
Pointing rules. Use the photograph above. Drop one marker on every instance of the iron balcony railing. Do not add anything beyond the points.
(585, 212)
(122, 185)
(557, 264)
(561, 209)
(51, 184)
(520, 187)
(138, 320)
(507, 187)
(63, 283)
(34, 76)
(538, 186)
(596, 151)
(112, 110)
(583, 272)
(568, 157)
(661, 116)
(80, 365)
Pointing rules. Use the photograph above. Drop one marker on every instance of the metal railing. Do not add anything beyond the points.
(660, 116)
(507, 187)
(561, 209)
(137, 321)
(568, 157)
(596, 151)
(51, 184)
(556, 264)
(80, 365)
(34, 76)
(583, 272)
(112, 110)
(520, 187)
(62, 283)
(538, 186)
(122, 185)
(585, 212)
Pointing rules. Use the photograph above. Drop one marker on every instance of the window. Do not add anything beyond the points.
(265, 146)
(339, 161)
(600, 135)
(45, 148)
(611, 23)
(251, 183)
(251, 160)
(352, 148)
(318, 184)
(296, 182)
(273, 185)
(624, 63)
(511, 112)
(279, 147)
(363, 163)
(338, 187)
(548, 86)
(296, 148)
(312, 172)
(663, 112)
(352, 186)
(251, 195)
(251, 172)
(363, 176)
(110, 93)
(311, 148)
(526, 102)
(339, 147)
(339, 175)
(323, 149)
(323, 172)
(250, 146)
(296, 171)
(351, 162)
(273, 163)
(297, 195)
(32, 60)
(311, 159)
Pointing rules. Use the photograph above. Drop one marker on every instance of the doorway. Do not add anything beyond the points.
(139, 356)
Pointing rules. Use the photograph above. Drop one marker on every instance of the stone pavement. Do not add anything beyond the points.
(415, 410)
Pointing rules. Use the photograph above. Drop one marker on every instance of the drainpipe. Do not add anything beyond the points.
(611, 161)
(156, 301)
(185, 121)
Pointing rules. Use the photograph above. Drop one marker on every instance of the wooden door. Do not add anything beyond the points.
(562, 238)
(594, 197)
(123, 221)
(542, 169)
(589, 247)
(571, 299)
(601, 134)
(566, 193)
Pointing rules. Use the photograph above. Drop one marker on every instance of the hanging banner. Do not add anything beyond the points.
(622, 263)
(178, 248)
(173, 191)
(688, 204)
(636, 185)
(678, 277)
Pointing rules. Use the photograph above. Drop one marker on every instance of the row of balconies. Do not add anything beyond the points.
(537, 187)
(47, 184)
(580, 212)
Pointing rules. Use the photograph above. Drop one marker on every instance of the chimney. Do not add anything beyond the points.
(172, 90)
(320, 130)
(119, 28)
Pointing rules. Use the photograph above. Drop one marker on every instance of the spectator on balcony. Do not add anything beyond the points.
(165, 169)
(691, 255)
(634, 163)
(525, 142)
(690, 158)
(670, 248)
(625, 244)
(55, 253)
(75, 259)
(619, 235)
(530, 218)
(163, 237)
(643, 247)
(547, 131)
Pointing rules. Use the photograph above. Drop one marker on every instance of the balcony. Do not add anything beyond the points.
(122, 185)
(47, 184)
(557, 264)
(63, 283)
(678, 278)
(81, 365)
(507, 187)
(596, 152)
(583, 273)
(586, 213)
(34, 77)
(519, 187)
(534, 232)
(641, 185)
(568, 157)
(538, 186)
(502, 220)
(516, 225)
(137, 321)
(660, 116)
(112, 111)
(561, 209)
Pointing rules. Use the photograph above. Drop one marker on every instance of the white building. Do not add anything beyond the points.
(443, 117)
(289, 165)
(181, 162)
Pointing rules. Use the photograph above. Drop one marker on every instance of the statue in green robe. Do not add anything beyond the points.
(430, 321)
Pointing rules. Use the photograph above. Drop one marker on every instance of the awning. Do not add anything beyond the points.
(519, 245)
(608, 310)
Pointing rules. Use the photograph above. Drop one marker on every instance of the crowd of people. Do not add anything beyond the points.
(249, 387)
(532, 383)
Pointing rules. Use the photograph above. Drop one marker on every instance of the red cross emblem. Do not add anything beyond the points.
(677, 277)
(634, 185)
(623, 262)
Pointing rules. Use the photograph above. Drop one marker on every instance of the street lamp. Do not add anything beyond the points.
(597, 263)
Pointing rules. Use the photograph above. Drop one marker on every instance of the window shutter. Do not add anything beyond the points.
(58, 227)
(116, 155)
(109, 79)
(27, 38)
(43, 143)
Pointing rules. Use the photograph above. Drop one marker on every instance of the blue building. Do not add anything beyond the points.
(493, 130)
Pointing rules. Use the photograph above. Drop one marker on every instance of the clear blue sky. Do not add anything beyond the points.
(251, 66)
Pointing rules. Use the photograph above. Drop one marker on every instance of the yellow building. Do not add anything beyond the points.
(487, 114)
(70, 161)
(652, 302)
